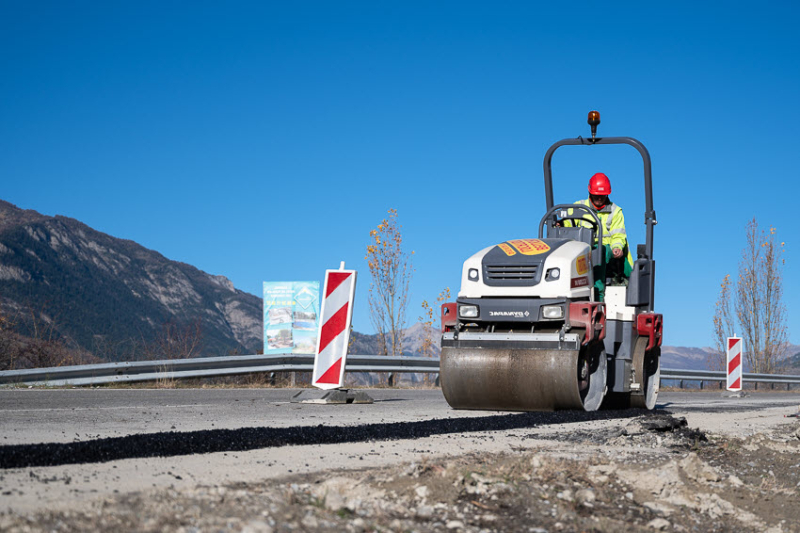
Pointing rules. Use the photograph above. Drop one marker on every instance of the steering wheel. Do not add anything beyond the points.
(560, 212)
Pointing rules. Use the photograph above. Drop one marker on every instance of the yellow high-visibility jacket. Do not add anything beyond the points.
(613, 222)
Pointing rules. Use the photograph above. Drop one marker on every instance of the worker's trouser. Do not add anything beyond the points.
(619, 270)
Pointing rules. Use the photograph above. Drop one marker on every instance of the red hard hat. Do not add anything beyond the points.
(600, 184)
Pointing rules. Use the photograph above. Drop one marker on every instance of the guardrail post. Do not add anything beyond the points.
(680, 384)
(391, 379)
(272, 379)
(438, 385)
(701, 384)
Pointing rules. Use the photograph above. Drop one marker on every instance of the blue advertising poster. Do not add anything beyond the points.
(291, 314)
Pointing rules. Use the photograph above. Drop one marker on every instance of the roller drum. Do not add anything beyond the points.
(523, 380)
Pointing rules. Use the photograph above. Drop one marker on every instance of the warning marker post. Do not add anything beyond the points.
(734, 364)
(334, 335)
(334, 331)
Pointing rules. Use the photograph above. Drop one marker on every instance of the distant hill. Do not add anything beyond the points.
(687, 358)
(98, 291)
(413, 339)
(793, 362)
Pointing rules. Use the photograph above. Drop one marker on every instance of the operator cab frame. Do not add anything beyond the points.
(641, 285)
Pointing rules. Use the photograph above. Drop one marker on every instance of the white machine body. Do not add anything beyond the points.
(571, 260)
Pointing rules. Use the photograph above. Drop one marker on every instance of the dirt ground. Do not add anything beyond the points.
(655, 473)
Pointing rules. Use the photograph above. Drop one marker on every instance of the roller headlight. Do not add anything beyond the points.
(472, 274)
(553, 311)
(468, 311)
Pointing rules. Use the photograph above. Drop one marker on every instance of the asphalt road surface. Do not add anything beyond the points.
(29, 416)
(114, 441)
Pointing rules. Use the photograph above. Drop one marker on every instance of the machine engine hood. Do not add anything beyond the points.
(517, 263)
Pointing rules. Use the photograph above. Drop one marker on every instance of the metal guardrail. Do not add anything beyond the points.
(246, 364)
(204, 367)
(719, 375)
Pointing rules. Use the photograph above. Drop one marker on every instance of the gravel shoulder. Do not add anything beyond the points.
(718, 472)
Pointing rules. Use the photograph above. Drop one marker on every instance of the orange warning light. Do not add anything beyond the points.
(594, 120)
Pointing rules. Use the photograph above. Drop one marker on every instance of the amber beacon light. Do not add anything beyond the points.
(594, 120)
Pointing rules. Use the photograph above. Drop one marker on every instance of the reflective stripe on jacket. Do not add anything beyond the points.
(613, 223)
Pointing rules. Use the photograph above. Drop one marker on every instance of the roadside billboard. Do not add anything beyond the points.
(291, 317)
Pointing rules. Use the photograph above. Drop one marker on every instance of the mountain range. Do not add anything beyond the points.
(98, 290)
(113, 297)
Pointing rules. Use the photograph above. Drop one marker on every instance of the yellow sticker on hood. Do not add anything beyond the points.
(507, 249)
(582, 266)
(530, 246)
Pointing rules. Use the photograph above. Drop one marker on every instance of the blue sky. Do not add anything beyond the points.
(263, 140)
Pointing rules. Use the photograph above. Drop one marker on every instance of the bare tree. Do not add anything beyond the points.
(428, 319)
(175, 341)
(8, 343)
(391, 270)
(758, 302)
(32, 339)
(109, 348)
(723, 325)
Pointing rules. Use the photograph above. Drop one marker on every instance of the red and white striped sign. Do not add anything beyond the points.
(734, 364)
(334, 332)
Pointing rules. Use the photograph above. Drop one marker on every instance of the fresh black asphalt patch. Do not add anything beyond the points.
(170, 444)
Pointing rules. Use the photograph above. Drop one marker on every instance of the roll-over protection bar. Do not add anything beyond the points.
(649, 213)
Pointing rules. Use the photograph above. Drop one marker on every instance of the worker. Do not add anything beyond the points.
(618, 262)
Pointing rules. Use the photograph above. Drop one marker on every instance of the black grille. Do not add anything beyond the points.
(511, 274)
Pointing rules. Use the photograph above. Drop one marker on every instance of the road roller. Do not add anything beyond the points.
(528, 332)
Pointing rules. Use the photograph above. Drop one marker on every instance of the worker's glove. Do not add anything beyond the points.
(617, 252)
